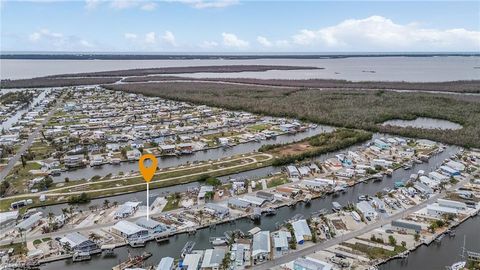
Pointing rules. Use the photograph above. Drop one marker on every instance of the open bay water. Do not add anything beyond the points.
(387, 68)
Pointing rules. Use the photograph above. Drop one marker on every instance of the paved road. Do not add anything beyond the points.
(11, 163)
(337, 240)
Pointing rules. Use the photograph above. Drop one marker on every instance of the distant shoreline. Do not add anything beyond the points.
(225, 56)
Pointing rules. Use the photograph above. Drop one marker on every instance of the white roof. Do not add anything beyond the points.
(253, 200)
(6, 216)
(280, 239)
(443, 209)
(166, 263)
(73, 239)
(261, 243)
(300, 229)
(127, 227)
(147, 223)
(365, 207)
(213, 258)
(192, 261)
(29, 222)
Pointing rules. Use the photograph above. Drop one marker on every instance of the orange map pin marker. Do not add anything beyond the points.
(148, 172)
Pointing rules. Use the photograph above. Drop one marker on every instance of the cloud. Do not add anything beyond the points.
(169, 38)
(232, 41)
(130, 36)
(149, 6)
(204, 4)
(150, 38)
(264, 41)
(91, 4)
(382, 34)
(122, 4)
(59, 41)
(208, 44)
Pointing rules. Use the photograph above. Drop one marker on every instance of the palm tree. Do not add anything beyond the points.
(93, 237)
(106, 204)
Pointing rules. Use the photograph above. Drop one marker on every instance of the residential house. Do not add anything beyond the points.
(79, 243)
(129, 230)
(212, 259)
(301, 231)
(261, 246)
(366, 210)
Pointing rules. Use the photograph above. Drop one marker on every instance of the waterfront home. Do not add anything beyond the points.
(240, 252)
(314, 185)
(308, 263)
(406, 226)
(455, 165)
(133, 154)
(167, 149)
(429, 182)
(217, 210)
(202, 192)
(129, 230)
(366, 210)
(73, 161)
(212, 259)
(422, 188)
(426, 143)
(334, 164)
(304, 171)
(265, 195)
(301, 230)
(436, 210)
(191, 261)
(293, 172)
(253, 200)
(78, 243)
(166, 263)
(127, 209)
(449, 171)
(30, 222)
(235, 203)
(438, 177)
(153, 226)
(382, 163)
(452, 204)
(381, 144)
(261, 246)
(280, 240)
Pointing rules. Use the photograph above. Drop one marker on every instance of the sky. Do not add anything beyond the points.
(239, 26)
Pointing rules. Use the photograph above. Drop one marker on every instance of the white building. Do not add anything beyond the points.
(452, 204)
(129, 230)
(302, 231)
(436, 210)
(261, 246)
(366, 210)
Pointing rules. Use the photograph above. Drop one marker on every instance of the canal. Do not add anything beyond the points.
(209, 154)
(176, 243)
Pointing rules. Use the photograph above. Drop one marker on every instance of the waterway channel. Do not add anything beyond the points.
(176, 243)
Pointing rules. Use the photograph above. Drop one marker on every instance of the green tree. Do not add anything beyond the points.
(392, 241)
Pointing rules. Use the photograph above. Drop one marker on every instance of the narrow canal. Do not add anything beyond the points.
(176, 243)
(210, 154)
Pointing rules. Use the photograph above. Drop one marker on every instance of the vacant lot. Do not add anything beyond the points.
(360, 109)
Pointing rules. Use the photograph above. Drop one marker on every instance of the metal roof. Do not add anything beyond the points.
(29, 222)
(166, 263)
(213, 258)
(261, 243)
(127, 227)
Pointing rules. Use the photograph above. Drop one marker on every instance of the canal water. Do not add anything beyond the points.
(210, 154)
(438, 255)
(423, 122)
(176, 243)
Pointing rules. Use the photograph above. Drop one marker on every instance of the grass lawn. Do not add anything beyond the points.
(172, 203)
